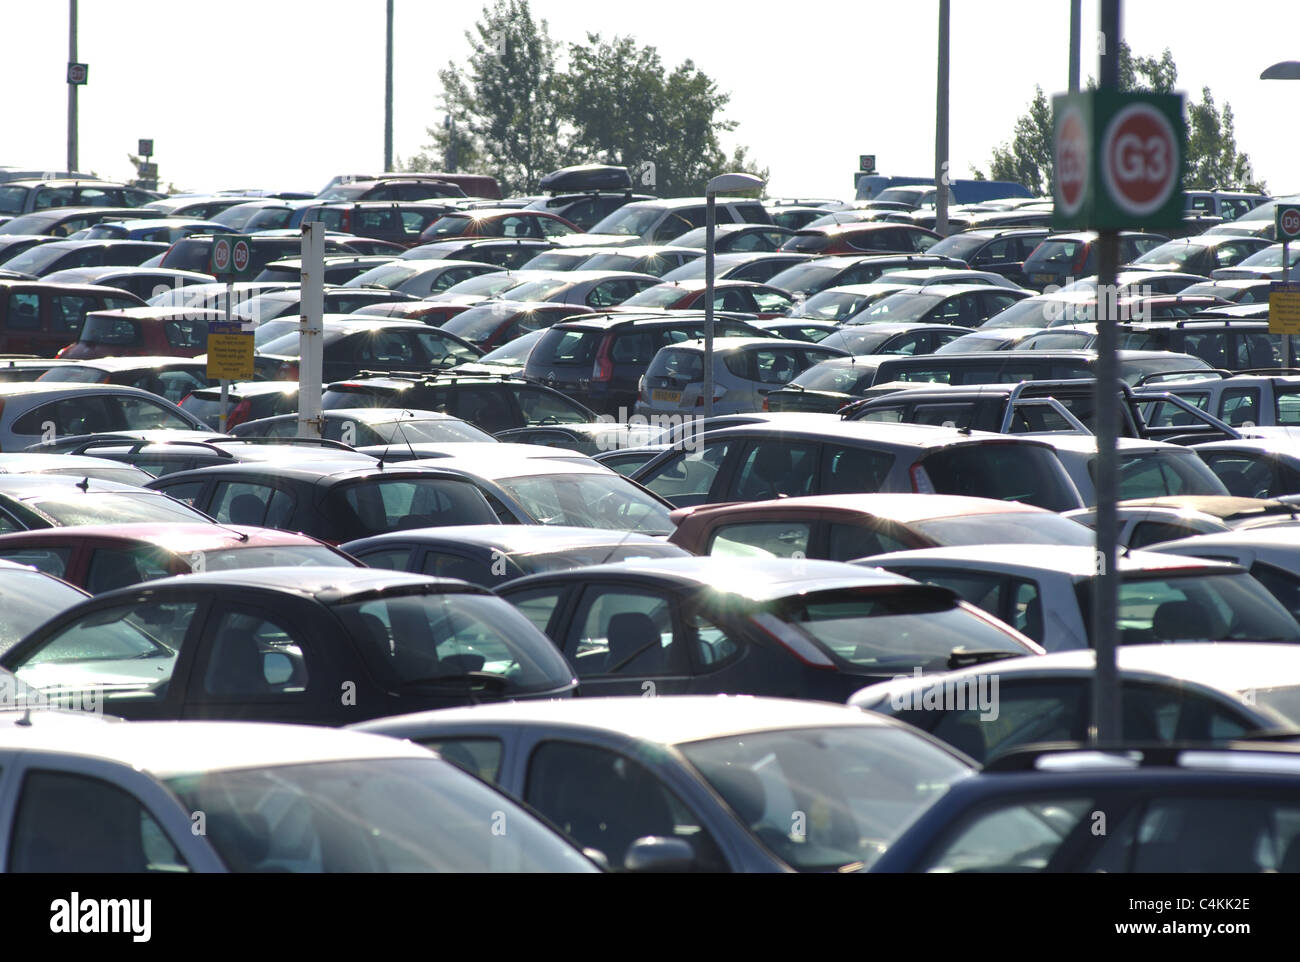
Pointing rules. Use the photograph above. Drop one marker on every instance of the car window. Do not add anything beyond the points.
(442, 564)
(625, 631)
(1239, 407)
(776, 365)
(478, 756)
(845, 542)
(111, 568)
(1230, 833)
(548, 407)
(252, 655)
(605, 800)
(538, 605)
(72, 823)
(145, 414)
(1011, 836)
(376, 505)
(390, 559)
(24, 312)
(186, 491)
(240, 502)
(848, 469)
(133, 647)
(70, 416)
(687, 477)
(774, 468)
(761, 539)
(53, 561)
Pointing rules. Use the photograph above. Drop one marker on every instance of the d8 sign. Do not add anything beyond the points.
(1118, 160)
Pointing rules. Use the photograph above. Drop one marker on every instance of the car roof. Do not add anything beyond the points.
(902, 507)
(169, 748)
(489, 460)
(518, 538)
(730, 343)
(327, 584)
(28, 388)
(1077, 561)
(899, 434)
(172, 536)
(671, 720)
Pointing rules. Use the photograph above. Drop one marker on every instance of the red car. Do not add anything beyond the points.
(741, 296)
(433, 313)
(149, 331)
(103, 557)
(859, 238)
(502, 222)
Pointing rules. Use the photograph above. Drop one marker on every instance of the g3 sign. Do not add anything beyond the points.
(1133, 148)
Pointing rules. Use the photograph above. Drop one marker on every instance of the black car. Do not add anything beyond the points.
(1061, 258)
(492, 403)
(62, 255)
(585, 210)
(1180, 809)
(1229, 344)
(1199, 255)
(245, 401)
(33, 501)
(790, 629)
(817, 275)
(323, 646)
(62, 221)
(334, 500)
(353, 344)
(600, 360)
(491, 555)
(511, 254)
(736, 238)
(381, 220)
(1000, 251)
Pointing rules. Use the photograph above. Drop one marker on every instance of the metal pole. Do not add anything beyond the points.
(72, 88)
(1075, 31)
(225, 382)
(1105, 602)
(311, 329)
(941, 128)
(388, 95)
(1286, 276)
(710, 223)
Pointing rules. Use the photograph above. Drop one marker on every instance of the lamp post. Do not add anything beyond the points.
(722, 184)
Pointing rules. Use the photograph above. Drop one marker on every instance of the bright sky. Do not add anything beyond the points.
(283, 94)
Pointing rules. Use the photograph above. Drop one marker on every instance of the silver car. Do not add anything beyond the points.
(745, 371)
(36, 411)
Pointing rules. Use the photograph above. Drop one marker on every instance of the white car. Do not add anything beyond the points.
(81, 793)
(1043, 591)
(1147, 469)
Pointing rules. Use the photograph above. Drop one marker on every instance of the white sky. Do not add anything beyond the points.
(283, 94)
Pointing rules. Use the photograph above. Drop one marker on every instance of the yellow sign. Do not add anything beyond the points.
(1284, 309)
(230, 357)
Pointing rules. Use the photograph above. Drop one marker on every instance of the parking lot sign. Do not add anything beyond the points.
(231, 257)
(219, 259)
(1284, 308)
(78, 73)
(230, 351)
(1118, 160)
(1288, 222)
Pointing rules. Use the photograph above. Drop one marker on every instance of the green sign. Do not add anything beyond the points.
(1287, 222)
(1118, 160)
(231, 257)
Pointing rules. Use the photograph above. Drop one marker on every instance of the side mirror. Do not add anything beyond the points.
(657, 853)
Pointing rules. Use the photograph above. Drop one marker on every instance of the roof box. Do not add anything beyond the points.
(586, 177)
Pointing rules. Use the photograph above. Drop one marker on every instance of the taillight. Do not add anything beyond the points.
(239, 414)
(1079, 261)
(61, 351)
(921, 482)
(288, 371)
(766, 406)
(792, 640)
(603, 369)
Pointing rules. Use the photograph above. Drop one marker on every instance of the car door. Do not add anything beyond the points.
(256, 662)
(769, 468)
(627, 639)
(692, 477)
(992, 302)
(251, 502)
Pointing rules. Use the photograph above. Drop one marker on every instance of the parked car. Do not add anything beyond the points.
(161, 452)
(967, 305)
(353, 344)
(1150, 522)
(707, 779)
(62, 222)
(358, 427)
(99, 558)
(745, 370)
(61, 255)
(801, 629)
(44, 500)
(1199, 255)
(499, 322)
(659, 221)
(1177, 811)
(335, 300)
(1255, 467)
(30, 599)
(420, 278)
(740, 266)
(1146, 469)
(92, 796)
(589, 439)
(246, 401)
(1263, 264)
(758, 462)
(814, 276)
(843, 527)
(509, 253)
(736, 238)
(23, 196)
(498, 223)
(71, 465)
(143, 332)
(1047, 595)
(491, 555)
(36, 411)
(1000, 250)
(1060, 258)
(742, 297)
(171, 378)
(37, 317)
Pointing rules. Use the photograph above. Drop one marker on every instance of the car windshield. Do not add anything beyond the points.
(539, 290)
(480, 323)
(1283, 700)
(1168, 606)
(808, 278)
(889, 631)
(516, 350)
(266, 307)
(387, 276)
(13, 198)
(374, 505)
(456, 640)
(1156, 474)
(1173, 256)
(661, 295)
(1007, 472)
(831, 305)
(630, 220)
(1040, 312)
(903, 306)
(825, 799)
(1268, 257)
(589, 501)
(959, 246)
(837, 378)
(30, 599)
(114, 507)
(493, 282)
(1054, 253)
(268, 556)
(368, 815)
(1005, 528)
(35, 260)
(974, 343)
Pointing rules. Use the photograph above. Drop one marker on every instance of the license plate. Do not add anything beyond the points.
(671, 397)
(1042, 278)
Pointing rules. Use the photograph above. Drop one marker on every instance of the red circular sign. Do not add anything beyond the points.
(1071, 151)
(240, 256)
(1140, 161)
(1291, 223)
(221, 255)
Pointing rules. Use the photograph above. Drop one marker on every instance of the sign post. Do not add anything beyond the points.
(230, 346)
(1283, 301)
(1118, 163)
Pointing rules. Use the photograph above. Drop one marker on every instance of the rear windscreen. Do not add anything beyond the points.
(1005, 472)
(561, 346)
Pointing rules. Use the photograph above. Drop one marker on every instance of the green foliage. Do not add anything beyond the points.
(1027, 159)
(616, 103)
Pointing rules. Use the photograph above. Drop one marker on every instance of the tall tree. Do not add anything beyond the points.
(503, 104)
(1027, 159)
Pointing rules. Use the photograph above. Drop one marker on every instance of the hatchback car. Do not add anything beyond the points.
(420, 278)
(144, 332)
(743, 297)
(712, 780)
(867, 238)
(498, 322)
(367, 426)
(353, 344)
(1147, 469)
(1047, 594)
(324, 646)
(32, 501)
(30, 598)
(1060, 258)
(171, 378)
(41, 318)
(498, 223)
(790, 629)
(36, 411)
(62, 255)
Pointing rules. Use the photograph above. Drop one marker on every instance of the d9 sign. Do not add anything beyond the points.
(1118, 160)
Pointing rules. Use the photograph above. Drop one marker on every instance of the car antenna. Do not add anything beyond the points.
(402, 431)
(84, 483)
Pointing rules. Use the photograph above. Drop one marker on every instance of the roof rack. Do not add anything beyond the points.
(1081, 757)
(1206, 372)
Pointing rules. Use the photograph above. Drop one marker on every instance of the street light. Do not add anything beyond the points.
(1283, 70)
(722, 184)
